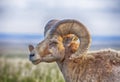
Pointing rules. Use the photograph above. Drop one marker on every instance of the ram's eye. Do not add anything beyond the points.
(53, 43)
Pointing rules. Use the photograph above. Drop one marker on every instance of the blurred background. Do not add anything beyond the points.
(22, 22)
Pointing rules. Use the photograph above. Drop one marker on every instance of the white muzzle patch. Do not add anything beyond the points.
(33, 56)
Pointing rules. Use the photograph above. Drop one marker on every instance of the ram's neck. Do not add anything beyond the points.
(72, 70)
(64, 69)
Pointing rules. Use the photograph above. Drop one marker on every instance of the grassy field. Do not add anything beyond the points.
(21, 70)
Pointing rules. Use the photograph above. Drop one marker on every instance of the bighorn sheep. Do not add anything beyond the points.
(72, 56)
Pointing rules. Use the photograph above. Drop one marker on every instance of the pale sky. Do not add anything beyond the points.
(101, 17)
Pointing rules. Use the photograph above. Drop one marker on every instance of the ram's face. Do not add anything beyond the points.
(54, 45)
(48, 48)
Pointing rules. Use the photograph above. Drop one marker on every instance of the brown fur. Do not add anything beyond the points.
(99, 66)
(93, 67)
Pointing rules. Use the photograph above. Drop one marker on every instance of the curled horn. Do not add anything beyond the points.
(65, 27)
(49, 25)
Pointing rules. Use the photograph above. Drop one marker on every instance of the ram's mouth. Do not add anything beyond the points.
(36, 61)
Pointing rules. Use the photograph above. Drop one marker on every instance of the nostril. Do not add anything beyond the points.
(31, 55)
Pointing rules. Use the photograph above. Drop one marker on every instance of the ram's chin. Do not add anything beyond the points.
(36, 62)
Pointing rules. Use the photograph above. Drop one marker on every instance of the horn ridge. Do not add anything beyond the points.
(69, 26)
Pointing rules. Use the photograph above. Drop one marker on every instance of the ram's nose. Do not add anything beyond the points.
(32, 57)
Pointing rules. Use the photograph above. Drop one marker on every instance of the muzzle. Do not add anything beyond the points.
(33, 56)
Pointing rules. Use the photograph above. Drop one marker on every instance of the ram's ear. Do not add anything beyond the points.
(31, 47)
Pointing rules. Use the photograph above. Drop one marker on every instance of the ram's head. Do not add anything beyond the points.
(60, 35)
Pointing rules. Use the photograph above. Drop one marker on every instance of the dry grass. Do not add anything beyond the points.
(21, 70)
